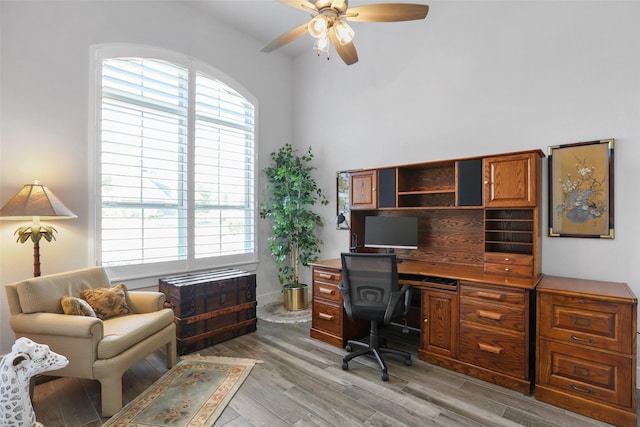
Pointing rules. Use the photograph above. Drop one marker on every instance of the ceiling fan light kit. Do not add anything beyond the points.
(329, 27)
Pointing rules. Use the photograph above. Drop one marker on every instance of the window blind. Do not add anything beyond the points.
(176, 165)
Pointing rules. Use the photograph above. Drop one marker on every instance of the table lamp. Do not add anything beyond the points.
(35, 201)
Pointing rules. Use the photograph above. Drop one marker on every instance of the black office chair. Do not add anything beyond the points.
(370, 291)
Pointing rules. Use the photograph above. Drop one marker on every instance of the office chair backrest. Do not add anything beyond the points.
(370, 280)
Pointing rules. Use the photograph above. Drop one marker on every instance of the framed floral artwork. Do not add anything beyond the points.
(581, 189)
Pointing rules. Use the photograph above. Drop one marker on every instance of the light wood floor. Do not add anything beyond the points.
(300, 383)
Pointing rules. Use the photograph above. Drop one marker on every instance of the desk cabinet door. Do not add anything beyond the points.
(439, 327)
(511, 180)
(364, 193)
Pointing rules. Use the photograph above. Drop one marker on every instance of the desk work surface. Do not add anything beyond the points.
(448, 271)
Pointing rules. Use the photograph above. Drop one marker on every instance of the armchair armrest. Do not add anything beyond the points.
(57, 325)
(146, 301)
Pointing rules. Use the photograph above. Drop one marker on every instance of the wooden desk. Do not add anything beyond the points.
(482, 326)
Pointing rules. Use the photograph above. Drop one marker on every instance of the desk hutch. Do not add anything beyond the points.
(477, 267)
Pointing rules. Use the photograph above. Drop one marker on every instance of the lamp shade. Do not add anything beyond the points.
(35, 200)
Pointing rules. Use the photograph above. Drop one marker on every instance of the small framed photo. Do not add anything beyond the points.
(581, 189)
(342, 207)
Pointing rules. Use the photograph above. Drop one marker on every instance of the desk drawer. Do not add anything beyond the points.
(327, 317)
(591, 374)
(327, 291)
(326, 276)
(586, 322)
(499, 351)
(510, 264)
(504, 316)
(512, 270)
(492, 294)
(508, 259)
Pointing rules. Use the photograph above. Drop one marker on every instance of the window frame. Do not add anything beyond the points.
(247, 261)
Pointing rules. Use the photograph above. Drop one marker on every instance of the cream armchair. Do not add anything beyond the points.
(96, 349)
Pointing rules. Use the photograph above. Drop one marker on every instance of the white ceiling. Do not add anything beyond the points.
(267, 19)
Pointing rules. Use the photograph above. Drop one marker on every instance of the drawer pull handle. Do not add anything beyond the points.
(326, 275)
(582, 371)
(489, 348)
(582, 390)
(506, 269)
(490, 315)
(325, 316)
(490, 295)
(581, 321)
(588, 340)
(507, 259)
(326, 291)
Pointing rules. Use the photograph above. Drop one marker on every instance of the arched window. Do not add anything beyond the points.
(175, 165)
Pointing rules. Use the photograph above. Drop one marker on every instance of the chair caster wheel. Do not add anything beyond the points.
(345, 366)
(385, 376)
(407, 362)
(348, 348)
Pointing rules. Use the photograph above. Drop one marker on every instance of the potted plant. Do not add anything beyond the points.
(291, 194)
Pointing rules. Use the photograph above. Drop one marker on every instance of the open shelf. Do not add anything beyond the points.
(509, 231)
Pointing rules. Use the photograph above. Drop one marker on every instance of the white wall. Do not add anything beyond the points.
(45, 102)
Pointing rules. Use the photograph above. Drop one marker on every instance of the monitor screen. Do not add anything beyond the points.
(399, 232)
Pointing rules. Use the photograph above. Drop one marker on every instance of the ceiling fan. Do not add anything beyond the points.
(328, 25)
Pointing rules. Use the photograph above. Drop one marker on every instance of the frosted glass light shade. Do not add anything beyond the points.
(318, 26)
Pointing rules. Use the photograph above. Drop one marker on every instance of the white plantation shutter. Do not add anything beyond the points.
(176, 169)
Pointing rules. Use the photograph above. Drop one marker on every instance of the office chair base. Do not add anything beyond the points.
(375, 350)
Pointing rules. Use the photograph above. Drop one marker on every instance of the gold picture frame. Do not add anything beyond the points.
(581, 189)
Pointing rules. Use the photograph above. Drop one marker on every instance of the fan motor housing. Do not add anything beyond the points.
(340, 7)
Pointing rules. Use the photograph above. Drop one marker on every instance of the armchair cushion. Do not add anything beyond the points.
(122, 332)
(76, 307)
(108, 302)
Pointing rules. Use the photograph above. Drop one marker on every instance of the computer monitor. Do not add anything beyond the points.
(392, 232)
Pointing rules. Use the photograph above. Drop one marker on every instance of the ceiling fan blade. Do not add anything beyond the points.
(287, 37)
(347, 52)
(387, 12)
(300, 4)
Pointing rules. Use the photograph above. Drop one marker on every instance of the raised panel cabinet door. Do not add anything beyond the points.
(510, 181)
(439, 323)
(364, 190)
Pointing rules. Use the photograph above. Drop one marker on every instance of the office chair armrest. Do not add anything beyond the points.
(393, 302)
(346, 300)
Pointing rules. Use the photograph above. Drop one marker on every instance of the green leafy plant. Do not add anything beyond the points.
(291, 193)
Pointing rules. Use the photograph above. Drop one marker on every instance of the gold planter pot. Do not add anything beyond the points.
(296, 298)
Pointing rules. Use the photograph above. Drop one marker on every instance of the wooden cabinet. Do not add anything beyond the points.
(364, 193)
(439, 329)
(586, 348)
(512, 180)
(329, 322)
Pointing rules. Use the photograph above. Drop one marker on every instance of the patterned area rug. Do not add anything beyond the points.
(276, 313)
(194, 393)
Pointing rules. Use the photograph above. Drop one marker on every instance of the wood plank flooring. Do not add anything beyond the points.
(299, 382)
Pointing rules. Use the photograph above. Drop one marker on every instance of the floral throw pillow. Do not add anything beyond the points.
(76, 307)
(108, 302)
